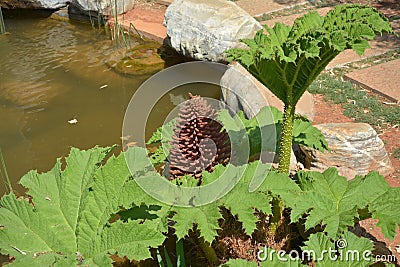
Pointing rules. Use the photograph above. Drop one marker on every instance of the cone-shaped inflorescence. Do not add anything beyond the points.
(198, 143)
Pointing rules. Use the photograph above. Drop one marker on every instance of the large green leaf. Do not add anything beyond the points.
(205, 217)
(304, 133)
(239, 263)
(350, 250)
(386, 208)
(241, 202)
(288, 59)
(267, 123)
(330, 200)
(326, 203)
(67, 218)
(268, 257)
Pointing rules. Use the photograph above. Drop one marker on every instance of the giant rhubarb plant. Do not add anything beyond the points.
(288, 59)
(69, 217)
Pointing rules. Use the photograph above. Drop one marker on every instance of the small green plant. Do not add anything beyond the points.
(396, 153)
(118, 32)
(289, 59)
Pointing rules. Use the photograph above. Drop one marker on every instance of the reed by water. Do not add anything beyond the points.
(2, 26)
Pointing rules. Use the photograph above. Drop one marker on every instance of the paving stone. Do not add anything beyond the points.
(381, 79)
(258, 7)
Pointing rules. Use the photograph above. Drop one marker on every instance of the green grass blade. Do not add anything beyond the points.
(180, 254)
(159, 259)
(167, 258)
(2, 26)
(3, 172)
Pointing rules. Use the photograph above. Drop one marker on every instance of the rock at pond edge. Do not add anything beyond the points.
(88, 7)
(204, 30)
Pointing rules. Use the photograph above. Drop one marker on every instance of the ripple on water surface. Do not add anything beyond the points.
(54, 71)
(50, 72)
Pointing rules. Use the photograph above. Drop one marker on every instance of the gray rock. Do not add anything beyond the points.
(204, 29)
(104, 7)
(241, 91)
(34, 4)
(356, 150)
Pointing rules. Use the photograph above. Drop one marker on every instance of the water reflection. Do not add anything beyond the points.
(53, 71)
(50, 72)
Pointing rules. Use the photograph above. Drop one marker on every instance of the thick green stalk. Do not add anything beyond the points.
(284, 163)
(275, 220)
(286, 139)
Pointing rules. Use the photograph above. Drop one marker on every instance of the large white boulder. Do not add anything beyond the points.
(204, 29)
(356, 149)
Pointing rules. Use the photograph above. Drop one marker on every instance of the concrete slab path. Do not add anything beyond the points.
(257, 8)
(381, 79)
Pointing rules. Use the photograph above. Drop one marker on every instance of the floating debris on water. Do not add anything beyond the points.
(73, 121)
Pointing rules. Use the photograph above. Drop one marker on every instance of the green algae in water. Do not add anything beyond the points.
(146, 58)
(143, 59)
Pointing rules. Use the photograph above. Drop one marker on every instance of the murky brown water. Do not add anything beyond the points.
(50, 73)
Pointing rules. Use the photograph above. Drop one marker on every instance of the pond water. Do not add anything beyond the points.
(52, 72)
